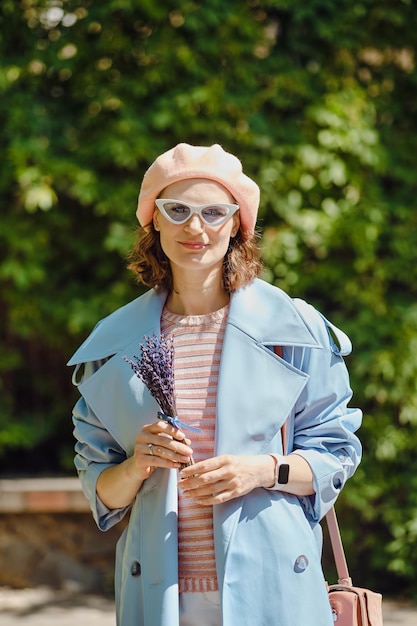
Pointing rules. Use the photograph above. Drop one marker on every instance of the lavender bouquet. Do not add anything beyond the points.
(155, 368)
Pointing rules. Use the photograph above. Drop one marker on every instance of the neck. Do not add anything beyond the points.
(197, 297)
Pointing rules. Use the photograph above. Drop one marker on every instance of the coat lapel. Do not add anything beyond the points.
(125, 326)
(114, 393)
(257, 390)
(256, 393)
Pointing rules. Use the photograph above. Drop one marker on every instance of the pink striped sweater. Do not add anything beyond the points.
(198, 343)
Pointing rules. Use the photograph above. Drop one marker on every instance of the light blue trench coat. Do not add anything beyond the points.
(267, 543)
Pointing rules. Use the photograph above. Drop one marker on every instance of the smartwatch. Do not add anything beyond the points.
(282, 471)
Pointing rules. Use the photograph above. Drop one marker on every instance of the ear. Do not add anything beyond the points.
(155, 219)
(236, 224)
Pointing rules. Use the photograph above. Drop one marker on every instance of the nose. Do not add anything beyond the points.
(194, 224)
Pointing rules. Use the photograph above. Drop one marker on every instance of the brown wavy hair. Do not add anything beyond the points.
(150, 265)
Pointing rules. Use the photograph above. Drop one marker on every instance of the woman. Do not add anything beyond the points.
(234, 538)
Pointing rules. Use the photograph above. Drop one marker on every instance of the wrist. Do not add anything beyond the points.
(131, 471)
(270, 472)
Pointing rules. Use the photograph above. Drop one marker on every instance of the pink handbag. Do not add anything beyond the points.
(351, 606)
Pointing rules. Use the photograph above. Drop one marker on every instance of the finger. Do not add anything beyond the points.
(218, 498)
(173, 446)
(167, 449)
(224, 462)
(162, 427)
(169, 454)
(150, 434)
(205, 484)
(207, 497)
(174, 431)
(169, 429)
(148, 458)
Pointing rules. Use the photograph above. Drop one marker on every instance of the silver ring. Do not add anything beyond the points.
(150, 447)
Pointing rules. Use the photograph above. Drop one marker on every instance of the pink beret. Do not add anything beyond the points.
(212, 163)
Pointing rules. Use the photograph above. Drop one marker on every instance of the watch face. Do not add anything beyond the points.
(283, 473)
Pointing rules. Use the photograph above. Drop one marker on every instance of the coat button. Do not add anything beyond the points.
(135, 568)
(301, 564)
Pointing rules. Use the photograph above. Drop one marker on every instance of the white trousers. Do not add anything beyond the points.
(200, 609)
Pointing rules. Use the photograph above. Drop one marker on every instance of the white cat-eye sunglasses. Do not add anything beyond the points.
(179, 212)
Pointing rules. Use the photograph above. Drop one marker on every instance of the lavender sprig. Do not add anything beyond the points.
(155, 368)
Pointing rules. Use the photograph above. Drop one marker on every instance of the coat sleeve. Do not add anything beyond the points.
(324, 424)
(95, 450)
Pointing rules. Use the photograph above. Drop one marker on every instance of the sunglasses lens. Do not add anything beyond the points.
(177, 212)
(214, 214)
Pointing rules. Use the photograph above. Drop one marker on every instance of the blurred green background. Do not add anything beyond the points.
(318, 99)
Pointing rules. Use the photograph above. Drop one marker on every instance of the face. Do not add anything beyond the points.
(194, 246)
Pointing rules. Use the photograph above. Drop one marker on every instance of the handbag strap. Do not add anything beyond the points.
(331, 518)
(337, 547)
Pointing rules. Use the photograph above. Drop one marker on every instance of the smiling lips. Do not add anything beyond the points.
(193, 245)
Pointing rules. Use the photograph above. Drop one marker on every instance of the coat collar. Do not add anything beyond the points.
(270, 316)
(263, 312)
(122, 327)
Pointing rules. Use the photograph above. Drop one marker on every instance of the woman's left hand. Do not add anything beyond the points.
(225, 477)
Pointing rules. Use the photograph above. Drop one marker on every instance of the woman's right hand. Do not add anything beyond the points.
(159, 445)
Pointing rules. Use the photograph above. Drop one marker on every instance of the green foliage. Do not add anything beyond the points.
(318, 100)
